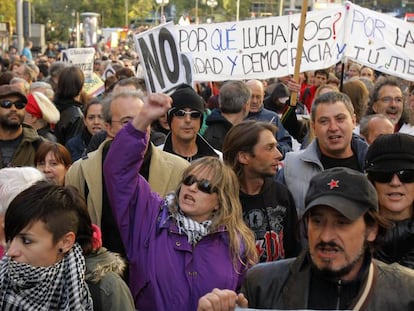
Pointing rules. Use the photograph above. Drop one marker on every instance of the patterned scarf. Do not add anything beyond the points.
(58, 287)
(194, 230)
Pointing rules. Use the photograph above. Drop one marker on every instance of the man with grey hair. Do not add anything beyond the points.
(387, 98)
(44, 88)
(259, 113)
(234, 103)
(162, 170)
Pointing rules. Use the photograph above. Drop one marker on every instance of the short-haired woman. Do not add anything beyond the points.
(53, 160)
(44, 268)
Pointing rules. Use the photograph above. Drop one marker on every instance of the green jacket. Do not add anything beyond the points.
(25, 152)
(108, 290)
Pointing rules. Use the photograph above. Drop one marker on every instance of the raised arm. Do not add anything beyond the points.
(133, 204)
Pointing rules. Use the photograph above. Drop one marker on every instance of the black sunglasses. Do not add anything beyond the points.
(203, 184)
(181, 113)
(8, 103)
(405, 176)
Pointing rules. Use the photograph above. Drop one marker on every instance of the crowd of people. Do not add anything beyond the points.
(221, 194)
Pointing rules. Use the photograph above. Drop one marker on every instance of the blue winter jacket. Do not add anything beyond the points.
(166, 272)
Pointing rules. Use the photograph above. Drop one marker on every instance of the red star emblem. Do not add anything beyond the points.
(333, 184)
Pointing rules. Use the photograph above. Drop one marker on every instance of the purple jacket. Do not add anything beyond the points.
(166, 272)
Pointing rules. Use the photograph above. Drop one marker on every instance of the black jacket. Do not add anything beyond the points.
(284, 285)
(271, 214)
(204, 148)
(398, 244)
(71, 120)
(218, 126)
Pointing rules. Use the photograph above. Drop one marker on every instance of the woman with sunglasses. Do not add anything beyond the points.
(184, 246)
(390, 167)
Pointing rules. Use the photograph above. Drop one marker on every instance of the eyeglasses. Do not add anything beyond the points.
(405, 176)
(203, 184)
(8, 103)
(389, 100)
(182, 113)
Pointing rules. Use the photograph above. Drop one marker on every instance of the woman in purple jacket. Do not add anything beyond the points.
(184, 246)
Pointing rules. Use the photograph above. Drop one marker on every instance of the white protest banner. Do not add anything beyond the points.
(266, 48)
(263, 48)
(82, 58)
(380, 41)
(164, 66)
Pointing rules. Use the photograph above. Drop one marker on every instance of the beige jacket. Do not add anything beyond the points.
(165, 174)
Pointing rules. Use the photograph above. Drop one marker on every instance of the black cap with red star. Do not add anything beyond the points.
(345, 190)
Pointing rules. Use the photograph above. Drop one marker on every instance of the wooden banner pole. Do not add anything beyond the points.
(293, 96)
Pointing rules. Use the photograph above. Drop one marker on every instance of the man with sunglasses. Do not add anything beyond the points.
(390, 167)
(336, 271)
(18, 142)
(388, 99)
(185, 119)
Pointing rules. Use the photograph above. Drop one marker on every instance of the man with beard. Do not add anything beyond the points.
(18, 142)
(336, 271)
(250, 148)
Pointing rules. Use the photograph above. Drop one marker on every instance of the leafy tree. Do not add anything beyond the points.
(8, 11)
(141, 9)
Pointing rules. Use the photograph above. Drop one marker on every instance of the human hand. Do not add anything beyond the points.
(155, 106)
(221, 300)
(293, 86)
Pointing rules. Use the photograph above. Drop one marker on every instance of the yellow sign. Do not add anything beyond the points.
(94, 86)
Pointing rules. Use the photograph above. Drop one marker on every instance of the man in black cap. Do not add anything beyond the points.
(185, 119)
(337, 271)
(18, 142)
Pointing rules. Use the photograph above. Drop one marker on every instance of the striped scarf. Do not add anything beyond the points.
(58, 287)
(194, 230)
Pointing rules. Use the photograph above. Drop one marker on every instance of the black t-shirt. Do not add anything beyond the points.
(8, 148)
(328, 293)
(272, 216)
(351, 162)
